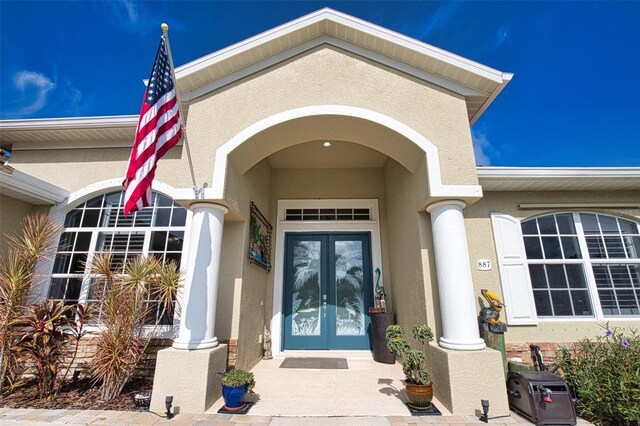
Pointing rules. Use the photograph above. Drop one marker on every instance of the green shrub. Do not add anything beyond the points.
(605, 372)
(236, 378)
(413, 361)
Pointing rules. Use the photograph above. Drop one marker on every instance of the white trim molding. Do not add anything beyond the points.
(436, 189)
(30, 189)
(283, 227)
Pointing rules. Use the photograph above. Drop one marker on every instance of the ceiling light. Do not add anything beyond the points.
(326, 144)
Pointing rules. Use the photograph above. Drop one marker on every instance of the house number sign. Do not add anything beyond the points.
(484, 264)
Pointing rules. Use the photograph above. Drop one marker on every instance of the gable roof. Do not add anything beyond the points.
(478, 83)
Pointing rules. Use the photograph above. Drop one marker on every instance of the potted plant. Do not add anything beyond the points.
(235, 385)
(418, 386)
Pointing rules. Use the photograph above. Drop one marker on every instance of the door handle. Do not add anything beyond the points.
(324, 305)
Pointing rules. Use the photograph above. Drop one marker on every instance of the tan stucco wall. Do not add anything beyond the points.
(482, 246)
(242, 290)
(413, 276)
(12, 212)
(324, 77)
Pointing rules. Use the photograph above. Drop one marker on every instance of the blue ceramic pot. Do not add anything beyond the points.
(233, 397)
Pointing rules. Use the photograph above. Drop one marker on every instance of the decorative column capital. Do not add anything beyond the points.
(205, 204)
(443, 203)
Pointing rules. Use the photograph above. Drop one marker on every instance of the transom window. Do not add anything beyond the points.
(99, 225)
(583, 264)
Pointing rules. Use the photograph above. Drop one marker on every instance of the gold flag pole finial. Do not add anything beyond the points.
(164, 27)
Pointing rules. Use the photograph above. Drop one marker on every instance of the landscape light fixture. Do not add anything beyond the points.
(485, 410)
(167, 402)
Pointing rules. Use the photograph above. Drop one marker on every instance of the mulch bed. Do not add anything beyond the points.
(78, 395)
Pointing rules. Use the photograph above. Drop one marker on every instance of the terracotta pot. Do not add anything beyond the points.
(419, 396)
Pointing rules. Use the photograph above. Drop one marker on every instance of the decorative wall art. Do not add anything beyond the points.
(259, 239)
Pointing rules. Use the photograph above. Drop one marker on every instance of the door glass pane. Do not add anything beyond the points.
(305, 297)
(349, 289)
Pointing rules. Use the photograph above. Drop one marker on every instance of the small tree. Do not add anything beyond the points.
(413, 361)
(125, 310)
(17, 275)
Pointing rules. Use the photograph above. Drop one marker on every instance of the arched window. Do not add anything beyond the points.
(99, 225)
(583, 264)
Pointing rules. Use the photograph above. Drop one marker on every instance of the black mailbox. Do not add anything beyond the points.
(542, 397)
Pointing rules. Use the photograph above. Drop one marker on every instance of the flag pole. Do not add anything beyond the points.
(196, 188)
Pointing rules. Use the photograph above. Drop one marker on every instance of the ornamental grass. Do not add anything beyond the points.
(129, 296)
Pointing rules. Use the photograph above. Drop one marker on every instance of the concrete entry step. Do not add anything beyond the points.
(367, 388)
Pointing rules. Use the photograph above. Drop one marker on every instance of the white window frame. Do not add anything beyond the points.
(587, 262)
(59, 214)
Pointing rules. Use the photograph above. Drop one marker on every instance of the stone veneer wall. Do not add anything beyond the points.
(547, 349)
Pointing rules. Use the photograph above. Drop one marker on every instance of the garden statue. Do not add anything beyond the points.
(266, 345)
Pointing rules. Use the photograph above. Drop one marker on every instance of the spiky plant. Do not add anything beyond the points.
(42, 341)
(124, 312)
(17, 276)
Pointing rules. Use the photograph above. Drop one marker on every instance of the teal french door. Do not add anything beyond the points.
(328, 291)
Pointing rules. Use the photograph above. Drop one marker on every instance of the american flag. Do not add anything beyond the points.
(159, 129)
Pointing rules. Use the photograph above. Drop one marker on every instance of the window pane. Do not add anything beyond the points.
(173, 256)
(608, 302)
(95, 202)
(61, 264)
(620, 275)
(162, 217)
(547, 225)
(615, 248)
(78, 262)
(538, 277)
(72, 220)
(551, 248)
(627, 302)
(595, 245)
(66, 241)
(83, 241)
(543, 303)
(571, 248)
(163, 201)
(112, 199)
(634, 272)
(608, 224)
(589, 223)
(581, 302)
(158, 240)
(555, 274)
(601, 274)
(565, 223)
(632, 245)
(143, 217)
(529, 227)
(561, 302)
(179, 217)
(575, 275)
(90, 218)
(532, 246)
(175, 241)
(628, 227)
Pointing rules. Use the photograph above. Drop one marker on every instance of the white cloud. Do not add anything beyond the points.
(443, 16)
(502, 36)
(481, 148)
(41, 84)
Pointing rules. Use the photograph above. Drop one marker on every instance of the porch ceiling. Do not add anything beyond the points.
(340, 154)
(359, 142)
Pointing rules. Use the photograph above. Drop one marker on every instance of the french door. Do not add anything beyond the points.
(328, 290)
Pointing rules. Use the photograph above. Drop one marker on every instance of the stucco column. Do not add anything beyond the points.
(200, 293)
(455, 286)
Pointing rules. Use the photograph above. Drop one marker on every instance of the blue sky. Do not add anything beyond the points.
(574, 100)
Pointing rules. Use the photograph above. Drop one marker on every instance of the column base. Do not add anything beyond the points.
(191, 377)
(473, 345)
(462, 378)
(199, 344)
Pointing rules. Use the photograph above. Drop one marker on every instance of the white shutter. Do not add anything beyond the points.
(514, 272)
